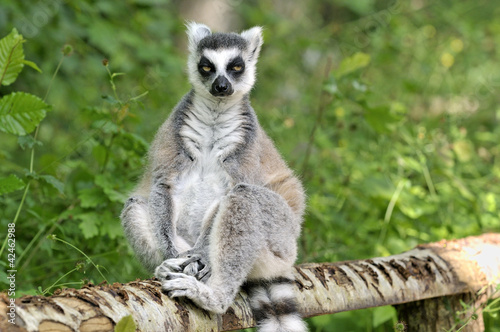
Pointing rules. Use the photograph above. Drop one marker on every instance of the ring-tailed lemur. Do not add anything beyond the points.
(218, 207)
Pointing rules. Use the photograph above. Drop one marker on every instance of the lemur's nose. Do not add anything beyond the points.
(221, 87)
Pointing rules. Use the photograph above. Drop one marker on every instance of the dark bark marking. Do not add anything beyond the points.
(358, 272)
(400, 271)
(183, 313)
(299, 283)
(340, 276)
(382, 269)
(319, 273)
(229, 320)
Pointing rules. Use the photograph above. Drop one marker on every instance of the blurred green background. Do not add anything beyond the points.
(388, 111)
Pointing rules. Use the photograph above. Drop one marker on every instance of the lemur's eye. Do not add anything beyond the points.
(206, 69)
(236, 66)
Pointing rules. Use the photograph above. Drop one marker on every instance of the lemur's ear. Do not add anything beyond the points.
(254, 38)
(196, 32)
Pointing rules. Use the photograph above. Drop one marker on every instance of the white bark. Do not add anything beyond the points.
(434, 270)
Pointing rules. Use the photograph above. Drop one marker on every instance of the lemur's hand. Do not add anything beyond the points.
(196, 265)
(190, 264)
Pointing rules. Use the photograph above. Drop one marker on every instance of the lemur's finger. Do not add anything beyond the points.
(204, 274)
(170, 265)
(189, 260)
(192, 269)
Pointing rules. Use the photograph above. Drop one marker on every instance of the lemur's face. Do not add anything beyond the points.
(222, 71)
(222, 65)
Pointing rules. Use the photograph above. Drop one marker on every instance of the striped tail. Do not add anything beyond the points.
(274, 307)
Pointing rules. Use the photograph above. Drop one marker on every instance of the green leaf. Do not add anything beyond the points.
(53, 182)
(89, 224)
(99, 153)
(126, 324)
(131, 141)
(32, 65)
(10, 184)
(117, 74)
(106, 126)
(11, 57)
(110, 225)
(382, 119)
(28, 142)
(21, 112)
(490, 202)
(91, 197)
(109, 187)
(353, 63)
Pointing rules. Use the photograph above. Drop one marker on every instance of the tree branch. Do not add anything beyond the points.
(433, 270)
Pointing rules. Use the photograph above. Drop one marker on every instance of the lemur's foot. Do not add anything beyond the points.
(182, 285)
(179, 284)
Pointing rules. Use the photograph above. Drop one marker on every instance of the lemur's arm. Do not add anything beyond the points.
(161, 213)
(166, 162)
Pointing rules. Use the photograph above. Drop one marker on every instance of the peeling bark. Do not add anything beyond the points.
(436, 270)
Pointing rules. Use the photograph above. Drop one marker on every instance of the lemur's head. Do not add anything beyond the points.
(222, 65)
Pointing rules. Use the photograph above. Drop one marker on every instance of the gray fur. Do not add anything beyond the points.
(218, 206)
(219, 40)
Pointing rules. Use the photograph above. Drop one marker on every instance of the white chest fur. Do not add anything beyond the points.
(209, 137)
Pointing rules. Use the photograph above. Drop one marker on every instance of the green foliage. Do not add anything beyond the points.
(21, 112)
(10, 183)
(126, 324)
(388, 111)
(79, 194)
(12, 58)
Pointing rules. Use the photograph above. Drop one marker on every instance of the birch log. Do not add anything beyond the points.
(442, 269)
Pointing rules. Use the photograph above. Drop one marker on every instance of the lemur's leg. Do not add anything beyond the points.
(195, 261)
(253, 235)
(140, 232)
(149, 228)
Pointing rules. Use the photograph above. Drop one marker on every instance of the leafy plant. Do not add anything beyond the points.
(20, 113)
(93, 187)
